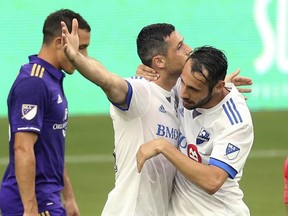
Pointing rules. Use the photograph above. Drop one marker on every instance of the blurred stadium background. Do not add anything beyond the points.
(253, 34)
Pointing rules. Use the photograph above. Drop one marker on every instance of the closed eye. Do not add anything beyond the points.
(82, 47)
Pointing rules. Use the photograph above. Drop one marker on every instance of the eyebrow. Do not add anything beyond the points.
(181, 41)
(190, 87)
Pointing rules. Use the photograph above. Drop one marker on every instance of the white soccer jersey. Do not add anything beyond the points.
(150, 115)
(221, 136)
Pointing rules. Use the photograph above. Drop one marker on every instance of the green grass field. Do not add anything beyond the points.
(90, 162)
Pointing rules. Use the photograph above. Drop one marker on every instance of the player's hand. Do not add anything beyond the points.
(146, 151)
(239, 81)
(71, 208)
(70, 42)
(147, 72)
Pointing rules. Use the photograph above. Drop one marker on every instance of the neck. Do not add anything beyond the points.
(166, 81)
(216, 98)
(47, 54)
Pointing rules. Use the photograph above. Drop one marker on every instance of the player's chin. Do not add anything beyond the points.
(70, 71)
(188, 105)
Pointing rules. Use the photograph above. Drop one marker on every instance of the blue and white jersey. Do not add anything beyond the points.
(150, 114)
(221, 136)
(36, 103)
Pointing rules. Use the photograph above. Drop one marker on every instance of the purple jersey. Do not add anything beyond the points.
(36, 103)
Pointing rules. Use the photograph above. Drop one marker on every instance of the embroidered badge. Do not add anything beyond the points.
(232, 151)
(29, 111)
(203, 136)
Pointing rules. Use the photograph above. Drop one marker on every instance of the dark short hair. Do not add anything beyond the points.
(52, 24)
(151, 41)
(213, 60)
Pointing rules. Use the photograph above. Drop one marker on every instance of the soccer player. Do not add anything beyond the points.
(38, 117)
(216, 135)
(285, 198)
(141, 111)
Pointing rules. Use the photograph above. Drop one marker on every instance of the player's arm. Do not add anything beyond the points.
(70, 203)
(25, 170)
(114, 86)
(209, 178)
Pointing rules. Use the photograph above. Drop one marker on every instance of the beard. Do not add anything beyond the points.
(200, 104)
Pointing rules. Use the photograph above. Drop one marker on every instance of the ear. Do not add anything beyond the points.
(159, 61)
(58, 43)
(219, 86)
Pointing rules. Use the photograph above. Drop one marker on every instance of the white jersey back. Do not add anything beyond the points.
(149, 115)
(221, 136)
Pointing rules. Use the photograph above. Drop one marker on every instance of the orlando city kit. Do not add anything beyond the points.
(36, 103)
(221, 136)
(150, 114)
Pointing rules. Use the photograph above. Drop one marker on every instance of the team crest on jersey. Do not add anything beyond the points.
(29, 111)
(203, 136)
(232, 151)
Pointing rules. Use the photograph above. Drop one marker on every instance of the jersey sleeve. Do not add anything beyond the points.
(27, 104)
(137, 101)
(231, 148)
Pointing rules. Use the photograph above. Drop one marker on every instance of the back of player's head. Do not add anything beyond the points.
(52, 24)
(151, 41)
(213, 60)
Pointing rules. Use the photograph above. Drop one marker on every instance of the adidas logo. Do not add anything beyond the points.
(162, 109)
(59, 99)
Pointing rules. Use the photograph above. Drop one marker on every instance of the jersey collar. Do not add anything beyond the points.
(59, 75)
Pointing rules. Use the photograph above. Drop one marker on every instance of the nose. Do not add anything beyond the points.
(183, 92)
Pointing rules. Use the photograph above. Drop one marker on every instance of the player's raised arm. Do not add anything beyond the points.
(114, 86)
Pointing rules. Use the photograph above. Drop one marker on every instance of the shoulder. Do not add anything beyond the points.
(138, 83)
(137, 80)
(29, 86)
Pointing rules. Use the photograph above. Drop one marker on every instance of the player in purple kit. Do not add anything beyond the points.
(38, 116)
